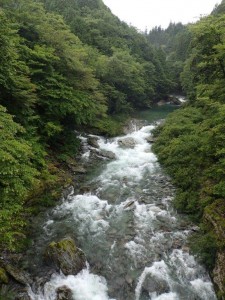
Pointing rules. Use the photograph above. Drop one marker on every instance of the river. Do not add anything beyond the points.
(134, 241)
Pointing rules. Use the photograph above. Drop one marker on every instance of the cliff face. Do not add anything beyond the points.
(219, 274)
(215, 216)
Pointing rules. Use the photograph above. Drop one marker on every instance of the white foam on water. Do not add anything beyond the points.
(158, 270)
(204, 289)
(136, 251)
(84, 286)
(132, 162)
(89, 211)
(186, 267)
(47, 227)
(93, 217)
(86, 150)
(165, 296)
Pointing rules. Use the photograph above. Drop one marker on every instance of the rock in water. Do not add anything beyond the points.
(66, 256)
(153, 284)
(150, 139)
(93, 141)
(64, 293)
(127, 142)
(107, 154)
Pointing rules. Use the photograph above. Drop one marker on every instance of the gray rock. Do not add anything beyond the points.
(19, 275)
(66, 256)
(219, 272)
(127, 142)
(150, 139)
(93, 141)
(107, 154)
(129, 204)
(64, 293)
(23, 296)
(174, 100)
(78, 169)
(153, 284)
(128, 279)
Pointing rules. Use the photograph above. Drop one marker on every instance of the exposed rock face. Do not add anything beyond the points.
(64, 293)
(19, 275)
(214, 215)
(64, 255)
(127, 142)
(219, 273)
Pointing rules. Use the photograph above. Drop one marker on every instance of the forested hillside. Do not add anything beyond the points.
(191, 144)
(64, 66)
(174, 41)
(73, 65)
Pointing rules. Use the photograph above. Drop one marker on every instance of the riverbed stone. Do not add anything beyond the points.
(107, 154)
(64, 293)
(78, 169)
(23, 296)
(127, 142)
(153, 284)
(20, 276)
(66, 256)
(93, 141)
(150, 139)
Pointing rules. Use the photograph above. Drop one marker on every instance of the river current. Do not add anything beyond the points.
(134, 241)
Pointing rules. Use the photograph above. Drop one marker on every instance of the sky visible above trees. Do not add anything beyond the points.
(149, 13)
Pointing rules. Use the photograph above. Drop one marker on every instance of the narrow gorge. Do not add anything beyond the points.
(122, 218)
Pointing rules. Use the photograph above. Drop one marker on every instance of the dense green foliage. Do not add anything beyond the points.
(191, 142)
(174, 42)
(64, 66)
(131, 72)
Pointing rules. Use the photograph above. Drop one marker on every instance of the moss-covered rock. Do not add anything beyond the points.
(66, 256)
(3, 276)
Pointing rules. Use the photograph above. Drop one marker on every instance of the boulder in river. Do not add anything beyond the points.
(93, 141)
(153, 284)
(78, 169)
(150, 139)
(107, 154)
(66, 256)
(127, 142)
(64, 293)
